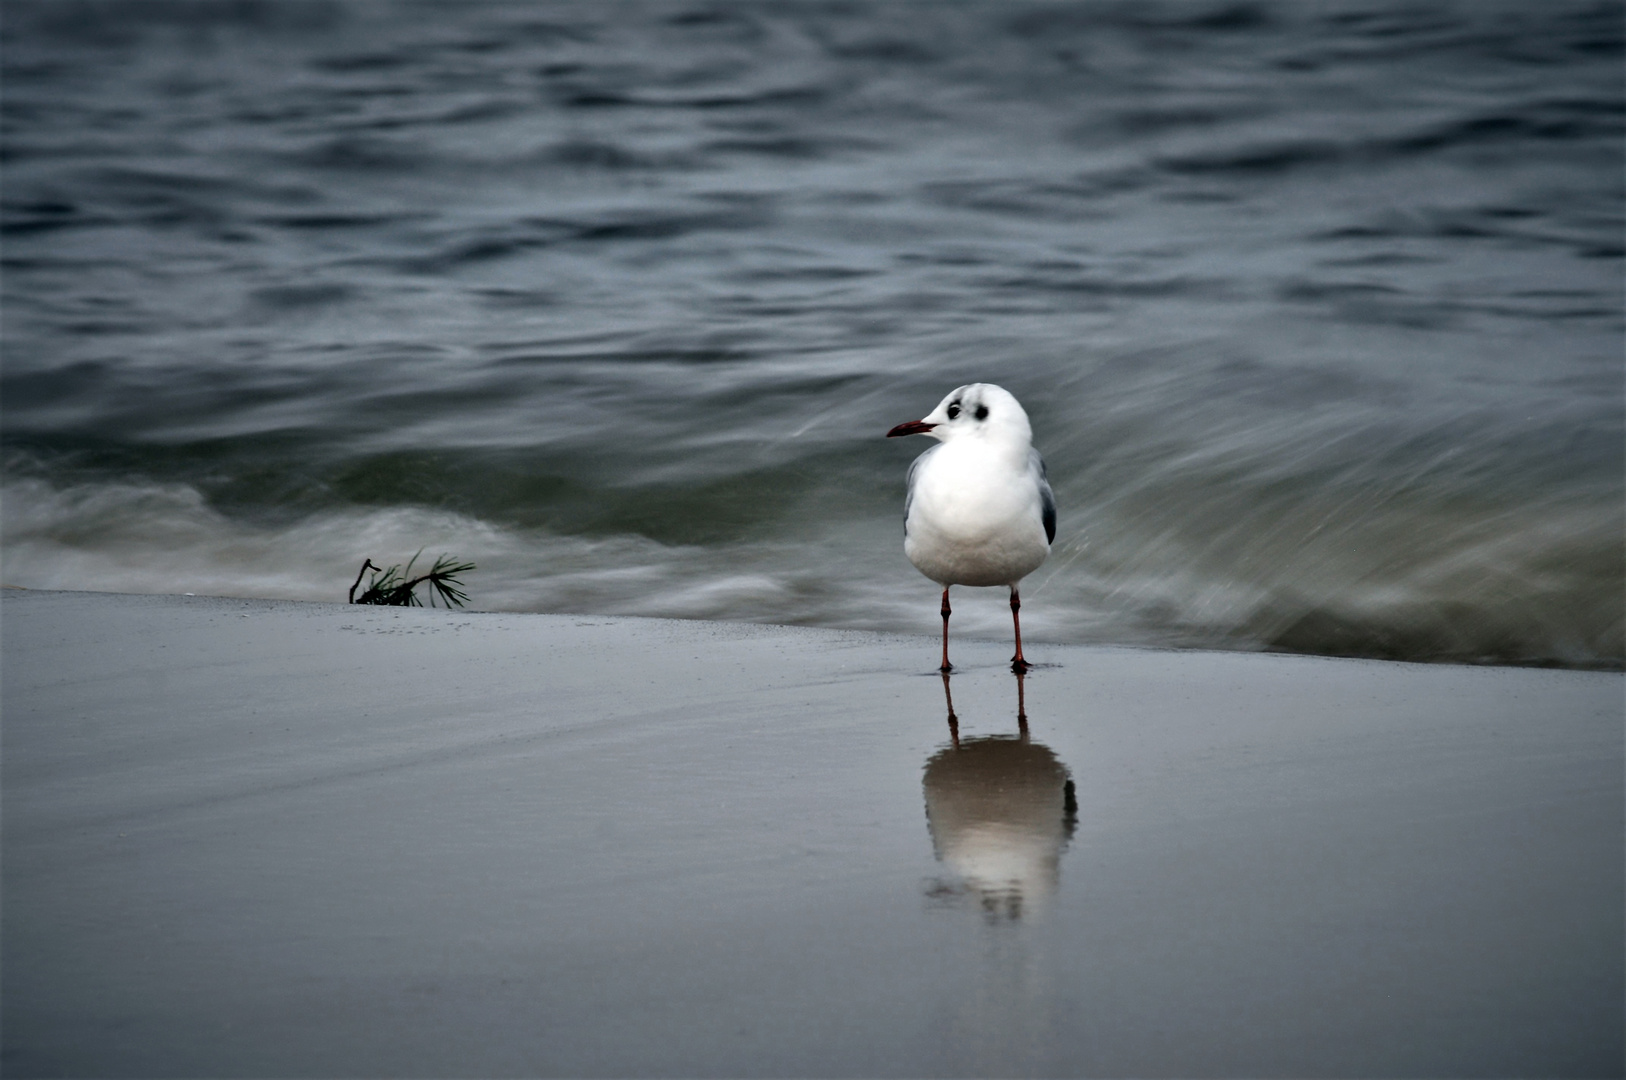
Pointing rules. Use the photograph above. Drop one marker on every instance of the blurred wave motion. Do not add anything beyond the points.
(1317, 309)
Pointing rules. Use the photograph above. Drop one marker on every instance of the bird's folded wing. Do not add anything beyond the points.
(1047, 498)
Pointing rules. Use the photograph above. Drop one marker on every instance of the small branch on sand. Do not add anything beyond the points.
(366, 564)
(396, 587)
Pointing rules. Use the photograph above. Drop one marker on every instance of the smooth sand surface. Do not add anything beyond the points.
(261, 838)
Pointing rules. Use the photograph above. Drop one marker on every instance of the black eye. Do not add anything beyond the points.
(954, 410)
(982, 412)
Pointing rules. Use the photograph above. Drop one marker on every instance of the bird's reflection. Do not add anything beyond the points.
(1001, 810)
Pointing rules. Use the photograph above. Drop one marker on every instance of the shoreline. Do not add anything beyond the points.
(1600, 667)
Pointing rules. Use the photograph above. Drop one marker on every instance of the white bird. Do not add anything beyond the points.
(979, 509)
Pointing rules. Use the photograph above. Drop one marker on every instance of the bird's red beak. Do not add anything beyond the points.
(913, 427)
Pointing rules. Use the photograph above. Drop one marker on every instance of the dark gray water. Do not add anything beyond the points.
(1317, 308)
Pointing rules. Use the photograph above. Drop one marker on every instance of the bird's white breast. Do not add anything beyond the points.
(975, 516)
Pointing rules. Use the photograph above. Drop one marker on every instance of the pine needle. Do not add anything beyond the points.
(396, 587)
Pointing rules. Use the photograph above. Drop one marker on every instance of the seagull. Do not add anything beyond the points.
(979, 509)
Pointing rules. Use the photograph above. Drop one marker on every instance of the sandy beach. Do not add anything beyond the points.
(249, 837)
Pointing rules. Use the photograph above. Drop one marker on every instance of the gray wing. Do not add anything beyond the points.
(1047, 498)
(909, 494)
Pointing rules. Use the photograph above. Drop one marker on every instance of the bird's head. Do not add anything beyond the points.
(976, 411)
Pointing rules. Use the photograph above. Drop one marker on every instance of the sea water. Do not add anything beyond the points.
(1316, 308)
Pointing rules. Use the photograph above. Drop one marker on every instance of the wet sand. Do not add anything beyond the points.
(262, 838)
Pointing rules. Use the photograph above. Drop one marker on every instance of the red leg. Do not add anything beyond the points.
(1017, 663)
(946, 665)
